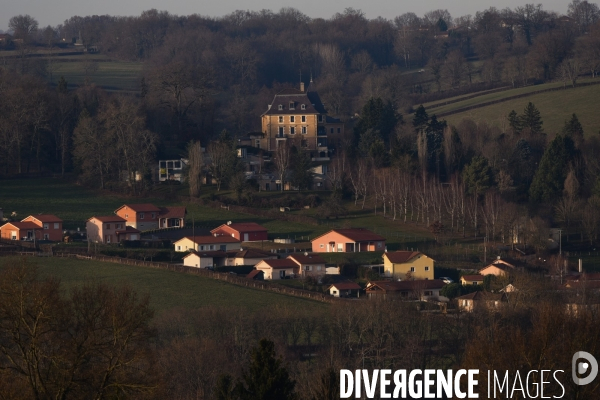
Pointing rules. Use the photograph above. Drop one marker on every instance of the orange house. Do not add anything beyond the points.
(147, 216)
(352, 240)
(52, 226)
(242, 231)
(21, 231)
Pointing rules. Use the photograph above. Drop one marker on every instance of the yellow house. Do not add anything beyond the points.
(399, 263)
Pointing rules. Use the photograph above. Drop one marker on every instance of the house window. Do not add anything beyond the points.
(379, 244)
(428, 293)
(304, 130)
(211, 247)
(292, 106)
(107, 226)
(318, 268)
(474, 283)
(322, 245)
(153, 215)
(292, 131)
(303, 106)
(280, 107)
(292, 118)
(412, 269)
(304, 118)
(126, 216)
(56, 225)
(426, 268)
(334, 291)
(45, 226)
(281, 131)
(464, 303)
(320, 118)
(178, 248)
(201, 247)
(281, 119)
(141, 215)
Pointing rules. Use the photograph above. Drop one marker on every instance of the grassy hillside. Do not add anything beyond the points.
(167, 289)
(109, 74)
(556, 107)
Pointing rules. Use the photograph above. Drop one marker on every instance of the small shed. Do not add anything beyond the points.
(344, 289)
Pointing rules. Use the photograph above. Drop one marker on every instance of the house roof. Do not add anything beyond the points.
(206, 254)
(146, 207)
(345, 286)
(242, 227)
(253, 253)
(209, 239)
(254, 273)
(172, 212)
(481, 295)
(472, 278)
(279, 264)
(108, 218)
(22, 225)
(400, 257)
(310, 99)
(355, 234)
(128, 229)
(398, 286)
(46, 218)
(307, 259)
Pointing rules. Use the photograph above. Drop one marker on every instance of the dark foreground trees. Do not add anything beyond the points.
(93, 343)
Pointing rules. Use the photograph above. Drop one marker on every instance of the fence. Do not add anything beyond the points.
(230, 278)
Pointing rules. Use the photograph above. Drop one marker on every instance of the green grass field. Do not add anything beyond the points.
(110, 74)
(555, 107)
(167, 289)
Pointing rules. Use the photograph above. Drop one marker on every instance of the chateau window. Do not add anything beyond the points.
(330, 130)
(280, 107)
(281, 120)
(320, 118)
(304, 130)
(304, 118)
(281, 131)
(292, 130)
(292, 119)
(292, 105)
(303, 107)
(339, 130)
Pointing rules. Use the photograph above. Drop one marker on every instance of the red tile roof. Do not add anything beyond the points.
(481, 295)
(345, 286)
(400, 257)
(309, 259)
(109, 218)
(356, 235)
(23, 225)
(242, 227)
(285, 263)
(46, 218)
(140, 207)
(254, 253)
(172, 212)
(253, 274)
(472, 278)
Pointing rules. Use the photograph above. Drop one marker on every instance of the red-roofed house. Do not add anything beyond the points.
(352, 240)
(207, 243)
(344, 289)
(310, 264)
(499, 268)
(21, 231)
(278, 269)
(399, 264)
(243, 231)
(147, 216)
(471, 280)
(51, 226)
(103, 229)
(481, 300)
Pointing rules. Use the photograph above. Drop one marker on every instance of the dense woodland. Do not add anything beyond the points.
(206, 75)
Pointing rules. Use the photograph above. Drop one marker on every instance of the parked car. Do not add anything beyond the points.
(446, 279)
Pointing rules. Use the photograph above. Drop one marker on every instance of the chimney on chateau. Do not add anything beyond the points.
(302, 87)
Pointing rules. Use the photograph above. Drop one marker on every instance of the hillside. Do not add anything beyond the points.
(555, 106)
(167, 289)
